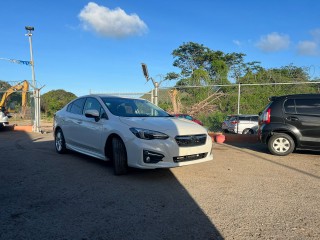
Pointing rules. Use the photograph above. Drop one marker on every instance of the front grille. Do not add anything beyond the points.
(191, 140)
(189, 157)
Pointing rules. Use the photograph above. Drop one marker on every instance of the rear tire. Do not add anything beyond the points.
(119, 156)
(281, 144)
(59, 141)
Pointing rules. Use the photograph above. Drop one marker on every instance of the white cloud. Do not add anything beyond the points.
(308, 48)
(237, 42)
(316, 34)
(111, 23)
(273, 42)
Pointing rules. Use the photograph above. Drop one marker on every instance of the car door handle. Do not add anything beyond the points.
(293, 119)
(79, 122)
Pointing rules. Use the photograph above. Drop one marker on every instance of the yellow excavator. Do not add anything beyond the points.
(21, 86)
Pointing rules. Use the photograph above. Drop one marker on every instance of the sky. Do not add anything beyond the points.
(98, 46)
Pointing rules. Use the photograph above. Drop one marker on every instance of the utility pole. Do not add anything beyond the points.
(36, 93)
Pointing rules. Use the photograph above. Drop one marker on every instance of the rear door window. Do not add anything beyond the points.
(77, 106)
(308, 106)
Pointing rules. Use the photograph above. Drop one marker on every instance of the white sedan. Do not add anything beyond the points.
(4, 118)
(130, 132)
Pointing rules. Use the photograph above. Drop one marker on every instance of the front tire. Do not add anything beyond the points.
(59, 141)
(281, 144)
(119, 156)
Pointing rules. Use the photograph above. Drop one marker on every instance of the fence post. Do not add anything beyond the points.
(151, 98)
(156, 93)
(37, 111)
(239, 88)
(239, 92)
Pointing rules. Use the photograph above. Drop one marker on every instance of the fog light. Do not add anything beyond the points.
(152, 157)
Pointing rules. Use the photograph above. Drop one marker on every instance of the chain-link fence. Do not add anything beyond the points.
(17, 101)
(211, 104)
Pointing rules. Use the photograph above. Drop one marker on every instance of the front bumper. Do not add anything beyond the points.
(173, 155)
(4, 124)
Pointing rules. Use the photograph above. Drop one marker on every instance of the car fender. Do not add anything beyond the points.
(274, 128)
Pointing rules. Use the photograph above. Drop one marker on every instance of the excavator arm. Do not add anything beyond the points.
(23, 87)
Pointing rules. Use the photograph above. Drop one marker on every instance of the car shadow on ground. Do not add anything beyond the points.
(45, 195)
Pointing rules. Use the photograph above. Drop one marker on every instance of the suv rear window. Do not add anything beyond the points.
(289, 106)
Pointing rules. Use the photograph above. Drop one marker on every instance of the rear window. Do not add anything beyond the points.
(233, 119)
(266, 108)
(289, 106)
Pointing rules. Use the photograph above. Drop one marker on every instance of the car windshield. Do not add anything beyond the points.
(126, 107)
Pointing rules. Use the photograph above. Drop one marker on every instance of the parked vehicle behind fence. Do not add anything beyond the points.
(186, 116)
(4, 117)
(291, 122)
(225, 123)
(241, 124)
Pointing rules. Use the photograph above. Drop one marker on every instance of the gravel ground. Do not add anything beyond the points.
(244, 193)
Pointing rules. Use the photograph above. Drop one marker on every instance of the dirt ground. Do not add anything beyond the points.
(244, 193)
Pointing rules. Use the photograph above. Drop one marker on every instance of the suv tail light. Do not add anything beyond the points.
(234, 122)
(266, 116)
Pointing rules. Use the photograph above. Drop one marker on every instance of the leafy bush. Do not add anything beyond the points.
(55, 100)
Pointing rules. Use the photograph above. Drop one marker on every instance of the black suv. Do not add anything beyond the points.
(291, 122)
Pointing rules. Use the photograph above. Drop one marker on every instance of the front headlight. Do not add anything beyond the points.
(148, 134)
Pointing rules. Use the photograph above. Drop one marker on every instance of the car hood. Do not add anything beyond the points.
(165, 124)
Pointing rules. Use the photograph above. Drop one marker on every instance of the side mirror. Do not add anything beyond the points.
(92, 113)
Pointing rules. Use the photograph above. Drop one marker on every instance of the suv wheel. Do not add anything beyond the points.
(281, 144)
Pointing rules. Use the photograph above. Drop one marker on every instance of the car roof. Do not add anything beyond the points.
(109, 96)
(297, 96)
(244, 115)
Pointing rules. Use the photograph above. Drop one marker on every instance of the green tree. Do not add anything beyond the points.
(54, 100)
